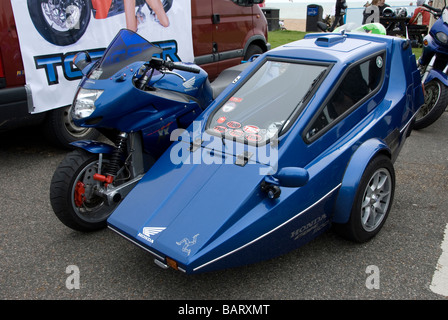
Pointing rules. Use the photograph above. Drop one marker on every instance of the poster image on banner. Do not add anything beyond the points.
(52, 32)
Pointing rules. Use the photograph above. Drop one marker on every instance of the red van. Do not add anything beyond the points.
(225, 32)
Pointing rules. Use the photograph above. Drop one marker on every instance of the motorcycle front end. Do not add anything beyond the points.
(433, 66)
(114, 98)
(91, 180)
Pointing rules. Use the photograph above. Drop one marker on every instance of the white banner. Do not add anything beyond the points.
(51, 32)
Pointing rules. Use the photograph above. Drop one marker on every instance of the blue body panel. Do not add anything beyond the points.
(437, 74)
(164, 109)
(209, 216)
(133, 115)
(433, 47)
(93, 146)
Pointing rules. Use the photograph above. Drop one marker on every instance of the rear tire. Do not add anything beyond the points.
(436, 100)
(60, 130)
(373, 201)
(252, 50)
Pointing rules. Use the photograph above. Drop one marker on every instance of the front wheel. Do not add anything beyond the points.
(372, 203)
(436, 100)
(74, 193)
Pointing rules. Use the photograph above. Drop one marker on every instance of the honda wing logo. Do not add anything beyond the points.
(150, 231)
(189, 84)
(147, 232)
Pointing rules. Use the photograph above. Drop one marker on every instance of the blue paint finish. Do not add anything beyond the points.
(437, 74)
(93, 146)
(215, 215)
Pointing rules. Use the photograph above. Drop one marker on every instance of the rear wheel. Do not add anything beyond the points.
(436, 100)
(61, 131)
(372, 203)
(74, 193)
(252, 50)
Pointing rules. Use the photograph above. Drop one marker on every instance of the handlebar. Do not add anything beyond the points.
(435, 11)
(181, 67)
(159, 63)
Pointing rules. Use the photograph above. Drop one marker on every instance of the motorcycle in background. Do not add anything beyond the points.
(136, 100)
(433, 68)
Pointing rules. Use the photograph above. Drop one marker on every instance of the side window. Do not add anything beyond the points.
(358, 83)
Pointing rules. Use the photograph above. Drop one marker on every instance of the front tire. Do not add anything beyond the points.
(72, 192)
(373, 201)
(436, 100)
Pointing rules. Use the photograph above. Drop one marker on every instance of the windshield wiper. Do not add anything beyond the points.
(305, 97)
(310, 89)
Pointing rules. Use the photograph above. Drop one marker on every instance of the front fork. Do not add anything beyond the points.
(128, 150)
(425, 70)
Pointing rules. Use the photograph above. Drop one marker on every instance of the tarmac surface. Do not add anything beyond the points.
(39, 255)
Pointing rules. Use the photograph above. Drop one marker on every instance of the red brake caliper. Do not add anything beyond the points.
(80, 191)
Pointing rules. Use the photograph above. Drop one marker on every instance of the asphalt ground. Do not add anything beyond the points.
(36, 249)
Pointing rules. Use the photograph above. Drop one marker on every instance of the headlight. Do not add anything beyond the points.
(84, 104)
(442, 37)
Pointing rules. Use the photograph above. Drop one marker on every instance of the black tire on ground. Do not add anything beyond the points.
(60, 130)
(372, 203)
(78, 166)
(251, 50)
(436, 100)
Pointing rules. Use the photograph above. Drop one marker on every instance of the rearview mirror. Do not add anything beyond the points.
(290, 177)
(82, 60)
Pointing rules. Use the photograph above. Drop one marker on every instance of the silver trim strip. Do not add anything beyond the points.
(269, 232)
(410, 120)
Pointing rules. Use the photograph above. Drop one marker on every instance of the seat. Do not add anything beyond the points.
(226, 77)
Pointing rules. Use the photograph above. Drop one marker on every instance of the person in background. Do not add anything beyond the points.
(132, 20)
(339, 13)
(420, 16)
(382, 5)
(371, 12)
